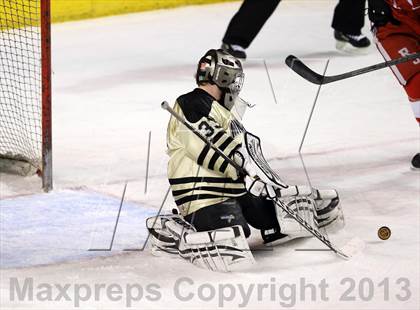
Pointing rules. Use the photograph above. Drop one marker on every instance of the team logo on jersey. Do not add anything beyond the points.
(229, 218)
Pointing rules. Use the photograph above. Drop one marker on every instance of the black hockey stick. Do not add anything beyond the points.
(304, 71)
(287, 209)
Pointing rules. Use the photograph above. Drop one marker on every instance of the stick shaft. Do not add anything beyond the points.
(304, 71)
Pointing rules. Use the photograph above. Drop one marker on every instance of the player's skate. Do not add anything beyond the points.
(353, 44)
(415, 162)
(235, 50)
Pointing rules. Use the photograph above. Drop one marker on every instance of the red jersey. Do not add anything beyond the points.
(407, 12)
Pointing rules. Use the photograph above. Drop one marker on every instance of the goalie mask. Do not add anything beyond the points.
(222, 69)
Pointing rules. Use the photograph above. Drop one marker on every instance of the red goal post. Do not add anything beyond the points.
(25, 88)
(46, 95)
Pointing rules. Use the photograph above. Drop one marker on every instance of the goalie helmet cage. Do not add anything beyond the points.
(25, 85)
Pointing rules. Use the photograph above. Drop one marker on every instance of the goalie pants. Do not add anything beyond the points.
(349, 16)
(245, 210)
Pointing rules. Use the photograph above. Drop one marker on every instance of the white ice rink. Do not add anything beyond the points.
(110, 76)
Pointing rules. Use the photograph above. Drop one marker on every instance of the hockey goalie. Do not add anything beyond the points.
(218, 202)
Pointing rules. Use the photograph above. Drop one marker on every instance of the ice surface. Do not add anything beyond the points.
(68, 225)
(110, 76)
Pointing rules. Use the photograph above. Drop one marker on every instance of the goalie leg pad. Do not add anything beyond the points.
(165, 241)
(223, 249)
(328, 210)
(305, 208)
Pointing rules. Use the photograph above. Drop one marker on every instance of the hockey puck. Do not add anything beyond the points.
(384, 233)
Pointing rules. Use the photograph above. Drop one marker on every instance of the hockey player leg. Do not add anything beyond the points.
(324, 203)
(328, 210)
(302, 205)
(413, 92)
(223, 249)
(163, 241)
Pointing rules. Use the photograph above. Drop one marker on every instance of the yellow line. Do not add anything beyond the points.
(20, 13)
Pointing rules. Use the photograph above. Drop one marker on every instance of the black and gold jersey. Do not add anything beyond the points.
(198, 176)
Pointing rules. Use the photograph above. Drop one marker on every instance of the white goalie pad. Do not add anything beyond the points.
(223, 250)
(328, 209)
(304, 207)
(326, 202)
(320, 209)
(163, 242)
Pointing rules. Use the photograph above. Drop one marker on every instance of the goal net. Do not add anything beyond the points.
(25, 89)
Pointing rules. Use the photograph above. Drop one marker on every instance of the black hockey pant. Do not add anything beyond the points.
(256, 211)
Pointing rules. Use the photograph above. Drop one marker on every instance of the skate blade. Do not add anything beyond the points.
(412, 168)
(347, 48)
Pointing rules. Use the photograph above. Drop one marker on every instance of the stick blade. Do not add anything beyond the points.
(353, 247)
(300, 68)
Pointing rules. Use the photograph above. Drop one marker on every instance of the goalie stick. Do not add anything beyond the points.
(315, 232)
(304, 71)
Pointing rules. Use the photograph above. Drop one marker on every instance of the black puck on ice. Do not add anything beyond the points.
(384, 233)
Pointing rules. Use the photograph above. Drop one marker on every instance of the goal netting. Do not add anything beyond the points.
(25, 134)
